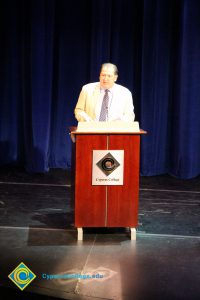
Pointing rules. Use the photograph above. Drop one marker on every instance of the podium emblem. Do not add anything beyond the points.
(108, 167)
(108, 164)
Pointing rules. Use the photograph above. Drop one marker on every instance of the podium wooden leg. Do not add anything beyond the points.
(133, 234)
(80, 233)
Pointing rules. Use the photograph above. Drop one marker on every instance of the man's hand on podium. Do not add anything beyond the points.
(85, 116)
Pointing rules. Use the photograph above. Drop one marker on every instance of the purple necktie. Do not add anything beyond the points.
(104, 107)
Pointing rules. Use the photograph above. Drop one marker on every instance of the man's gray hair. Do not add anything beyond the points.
(110, 65)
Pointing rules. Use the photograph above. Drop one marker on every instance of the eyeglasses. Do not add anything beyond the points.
(107, 76)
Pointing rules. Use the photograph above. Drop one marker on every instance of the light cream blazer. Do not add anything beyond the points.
(121, 105)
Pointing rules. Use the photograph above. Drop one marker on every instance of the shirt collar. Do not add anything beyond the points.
(110, 89)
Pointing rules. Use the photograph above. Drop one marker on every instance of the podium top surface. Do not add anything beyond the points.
(116, 127)
(141, 131)
(73, 131)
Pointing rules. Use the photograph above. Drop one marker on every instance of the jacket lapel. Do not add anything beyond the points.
(95, 97)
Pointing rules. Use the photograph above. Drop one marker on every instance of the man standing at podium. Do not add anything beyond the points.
(105, 100)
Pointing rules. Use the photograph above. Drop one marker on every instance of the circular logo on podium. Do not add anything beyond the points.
(108, 164)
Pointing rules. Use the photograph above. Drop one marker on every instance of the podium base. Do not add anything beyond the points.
(133, 234)
(80, 233)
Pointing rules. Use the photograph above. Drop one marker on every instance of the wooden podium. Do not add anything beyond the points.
(106, 205)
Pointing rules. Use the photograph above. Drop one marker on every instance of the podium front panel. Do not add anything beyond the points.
(106, 205)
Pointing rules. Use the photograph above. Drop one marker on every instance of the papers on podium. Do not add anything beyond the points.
(111, 126)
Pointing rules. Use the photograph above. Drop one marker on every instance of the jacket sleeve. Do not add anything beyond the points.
(80, 113)
(128, 114)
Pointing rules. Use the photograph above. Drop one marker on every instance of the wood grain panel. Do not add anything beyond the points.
(123, 200)
(90, 201)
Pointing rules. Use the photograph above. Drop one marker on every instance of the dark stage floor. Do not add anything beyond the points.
(37, 228)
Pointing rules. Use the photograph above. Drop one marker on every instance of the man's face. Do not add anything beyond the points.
(107, 77)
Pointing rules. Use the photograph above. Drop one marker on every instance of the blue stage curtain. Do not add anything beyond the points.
(50, 48)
